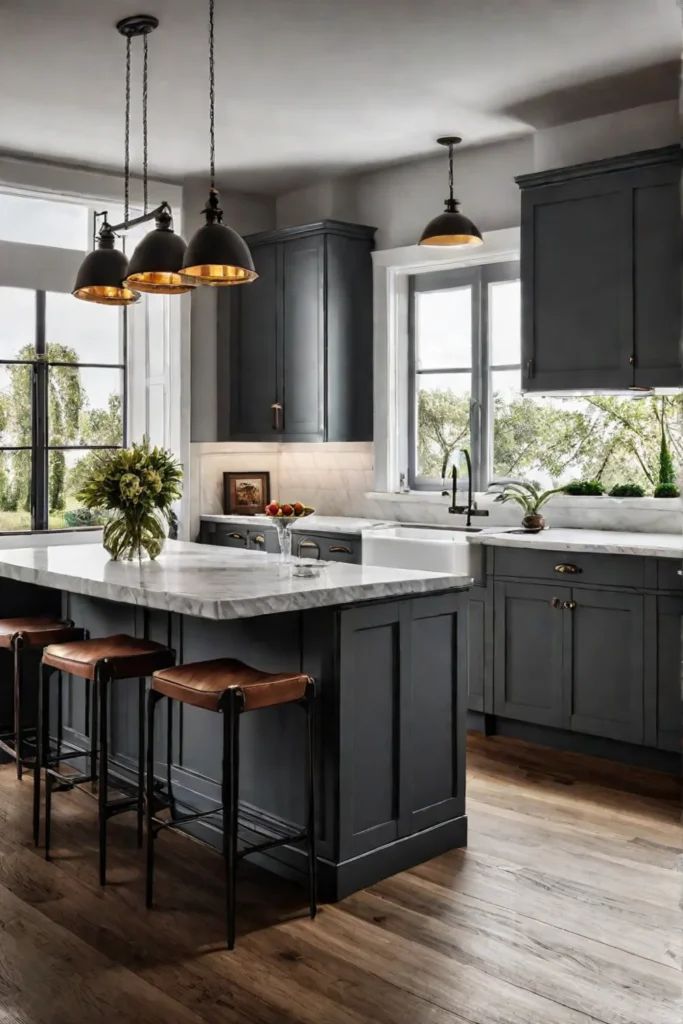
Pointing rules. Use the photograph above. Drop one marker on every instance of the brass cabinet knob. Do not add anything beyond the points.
(259, 539)
(570, 605)
(556, 603)
(568, 567)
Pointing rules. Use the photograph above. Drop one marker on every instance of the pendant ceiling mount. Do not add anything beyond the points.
(451, 227)
(216, 254)
(137, 25)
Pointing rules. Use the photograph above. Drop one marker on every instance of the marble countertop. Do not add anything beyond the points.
(612, 542)
(350, 525)
(213, 583)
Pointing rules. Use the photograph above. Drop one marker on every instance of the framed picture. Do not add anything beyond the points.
(245, 494)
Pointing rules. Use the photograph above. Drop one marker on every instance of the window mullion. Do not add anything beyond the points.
(39, 411)
(476, 394)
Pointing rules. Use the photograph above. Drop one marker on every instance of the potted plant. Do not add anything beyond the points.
(666, 486)
(531, 499)
(584, 488)
(137, 487)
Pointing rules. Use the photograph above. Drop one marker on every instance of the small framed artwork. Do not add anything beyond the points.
(246, 494)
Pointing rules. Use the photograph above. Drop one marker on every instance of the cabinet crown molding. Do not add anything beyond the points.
(330, 227)
(643, 158)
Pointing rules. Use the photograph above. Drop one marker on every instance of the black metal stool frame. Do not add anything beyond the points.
(13, 742)
(99, 690)
(231, 707)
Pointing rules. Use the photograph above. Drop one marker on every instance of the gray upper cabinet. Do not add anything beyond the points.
(601, 270)
(295, 347)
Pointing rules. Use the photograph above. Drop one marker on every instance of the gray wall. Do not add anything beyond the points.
(246, 214)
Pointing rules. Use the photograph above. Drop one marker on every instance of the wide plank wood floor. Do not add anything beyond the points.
(564, 909)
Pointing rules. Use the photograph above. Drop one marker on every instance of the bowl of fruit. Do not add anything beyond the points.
(284, 514)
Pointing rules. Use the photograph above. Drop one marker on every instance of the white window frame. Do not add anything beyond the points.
(392, 270)
(158, 403)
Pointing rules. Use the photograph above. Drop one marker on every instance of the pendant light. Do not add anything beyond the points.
(216, 254)
(451, 227)
(102, 273)
(156, 261)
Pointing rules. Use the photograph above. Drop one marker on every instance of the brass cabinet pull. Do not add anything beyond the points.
(556, 602)
(570, 605)
(308, 543)
(568, 567)
(277, 408)
(259, 539)
(237, 536)
(341, 549)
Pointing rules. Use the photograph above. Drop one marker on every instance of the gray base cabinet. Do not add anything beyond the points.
(601, 274)
(328, 547)
(599, 660)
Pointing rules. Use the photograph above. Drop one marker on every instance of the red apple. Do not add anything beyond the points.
(298, 508)
(272, 509)
(287, 510)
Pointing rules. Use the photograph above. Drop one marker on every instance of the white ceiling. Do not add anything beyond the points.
(316, 87)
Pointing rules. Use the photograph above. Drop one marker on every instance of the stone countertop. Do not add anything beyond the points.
(349, 525)
(611, 542)
(214, 583)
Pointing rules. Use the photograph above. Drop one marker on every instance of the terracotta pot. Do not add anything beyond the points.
(534, 523)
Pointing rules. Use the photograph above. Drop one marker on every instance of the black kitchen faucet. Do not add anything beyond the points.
(468, 509)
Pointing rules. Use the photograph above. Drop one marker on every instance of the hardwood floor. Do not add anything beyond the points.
(564, 909)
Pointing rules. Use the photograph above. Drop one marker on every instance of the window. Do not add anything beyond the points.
(465, 356)
(51, 222)
(62, 398)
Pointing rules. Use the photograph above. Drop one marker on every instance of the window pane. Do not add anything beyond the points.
(130, 239)
(443, 329)
(81, 331)
(555, 440)
(67, 473)
(15, 491)
(15, 404)
(443, 420)
(17, 323)
(44, 222)
(85, 406)
(505, 323)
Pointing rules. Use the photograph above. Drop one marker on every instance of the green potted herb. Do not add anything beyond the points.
(666, 487)
(627, 491)
(584, 488)
(531, 499)
(137, 487)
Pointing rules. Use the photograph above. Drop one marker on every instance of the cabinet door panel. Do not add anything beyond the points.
(302, 339)
(657, 273)
(529, 649)
(607, 665)
(669, 718)
(576, 265)
(252, 343)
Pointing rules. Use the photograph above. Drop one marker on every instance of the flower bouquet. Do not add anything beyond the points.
(136, 486)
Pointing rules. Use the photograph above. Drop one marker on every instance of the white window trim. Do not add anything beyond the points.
(392, 269)
(57, 268)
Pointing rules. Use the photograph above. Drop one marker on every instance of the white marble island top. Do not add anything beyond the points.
(214, 583)
(612, 542)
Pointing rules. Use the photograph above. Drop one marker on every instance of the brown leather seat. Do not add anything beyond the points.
(203, 683)
(124, 656)
(37, 631)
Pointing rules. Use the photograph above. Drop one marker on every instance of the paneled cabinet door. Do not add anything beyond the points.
(669, 719)
(250, 345)
(300, 351)
(531, 641)
(576, 265)
(606, 692)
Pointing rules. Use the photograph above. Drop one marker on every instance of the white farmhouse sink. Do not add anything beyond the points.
(418, 547)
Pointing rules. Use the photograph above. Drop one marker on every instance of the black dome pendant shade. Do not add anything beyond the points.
(101, 275)
(216, 254)
(157, 259)
(451, 227)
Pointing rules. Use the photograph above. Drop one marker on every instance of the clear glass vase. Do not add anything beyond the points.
(284, 534)
(134, 536)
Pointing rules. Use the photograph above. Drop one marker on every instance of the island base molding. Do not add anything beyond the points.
(390, 724)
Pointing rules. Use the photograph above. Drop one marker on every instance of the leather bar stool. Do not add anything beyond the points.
(231, 688)
(101, 661)
(18, 635)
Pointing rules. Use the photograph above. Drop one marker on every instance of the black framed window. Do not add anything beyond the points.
(62, 399)
(464, 345)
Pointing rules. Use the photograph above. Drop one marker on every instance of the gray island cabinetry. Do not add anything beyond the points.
(387, 648)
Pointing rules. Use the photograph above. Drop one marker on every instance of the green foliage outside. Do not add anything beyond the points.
(584, 488)
(627, 491)
(71, 422)
(609, 439)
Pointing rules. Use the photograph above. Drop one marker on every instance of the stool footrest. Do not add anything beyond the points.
(248, 821)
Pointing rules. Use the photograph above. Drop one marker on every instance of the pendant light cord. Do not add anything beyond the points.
(126, 167)
(450, 172)
(144, 125)
(212, 96)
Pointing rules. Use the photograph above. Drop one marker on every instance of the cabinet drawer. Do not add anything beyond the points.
(570, 567)
(230, 537)
(329, 548)
(668, 577)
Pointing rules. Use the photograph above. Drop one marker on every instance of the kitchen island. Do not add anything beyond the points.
(387, 648)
